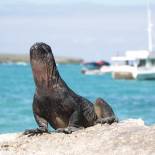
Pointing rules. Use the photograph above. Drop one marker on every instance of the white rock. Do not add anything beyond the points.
(130, 137)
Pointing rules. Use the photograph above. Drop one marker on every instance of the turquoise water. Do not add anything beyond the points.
(129, 99)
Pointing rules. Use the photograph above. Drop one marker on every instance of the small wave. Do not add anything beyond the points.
(15, 63)
(21, 63)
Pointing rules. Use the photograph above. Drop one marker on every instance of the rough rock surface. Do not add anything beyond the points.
(130, 137)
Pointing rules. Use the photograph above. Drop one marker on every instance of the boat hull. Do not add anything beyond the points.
(126, 72)
(146, 76)
(122, 75)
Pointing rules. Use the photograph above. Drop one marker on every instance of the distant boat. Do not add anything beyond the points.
(95, 68)
(134, 65)
(138, 65)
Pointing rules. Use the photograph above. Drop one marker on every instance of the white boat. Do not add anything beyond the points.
(136, 64)
(95, 68)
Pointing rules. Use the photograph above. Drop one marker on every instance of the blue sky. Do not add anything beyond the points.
(106, 2)
(91, 29)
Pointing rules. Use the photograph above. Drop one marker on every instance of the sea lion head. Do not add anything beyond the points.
(41, 52)
(43, 65)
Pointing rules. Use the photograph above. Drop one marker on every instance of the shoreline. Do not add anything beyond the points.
(130, 137)
(24, 58)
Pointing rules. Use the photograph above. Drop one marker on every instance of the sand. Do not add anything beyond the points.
(15, 58)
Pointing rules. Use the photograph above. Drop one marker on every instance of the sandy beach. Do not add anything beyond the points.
(130, 137)
(14, 58)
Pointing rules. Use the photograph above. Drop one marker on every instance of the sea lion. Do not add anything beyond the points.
(56, 104)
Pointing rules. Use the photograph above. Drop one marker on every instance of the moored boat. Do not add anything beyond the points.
(95, 68)
(134, 65)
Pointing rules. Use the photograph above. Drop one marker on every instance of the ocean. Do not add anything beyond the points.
(129, 99)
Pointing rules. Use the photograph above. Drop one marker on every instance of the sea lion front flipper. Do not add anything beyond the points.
(42, 123)
(68, 130)
(73, 124)
(33, 132)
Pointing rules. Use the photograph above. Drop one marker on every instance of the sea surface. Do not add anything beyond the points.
(129, 99)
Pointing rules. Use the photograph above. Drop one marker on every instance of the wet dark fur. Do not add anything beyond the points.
(55, 103)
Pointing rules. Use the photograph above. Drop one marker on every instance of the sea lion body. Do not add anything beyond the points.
(59, 109)
(55, 103)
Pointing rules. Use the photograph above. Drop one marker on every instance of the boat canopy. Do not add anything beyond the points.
(96, 65)
(134, 55)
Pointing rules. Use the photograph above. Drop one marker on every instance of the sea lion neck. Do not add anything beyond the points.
(44, 68)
